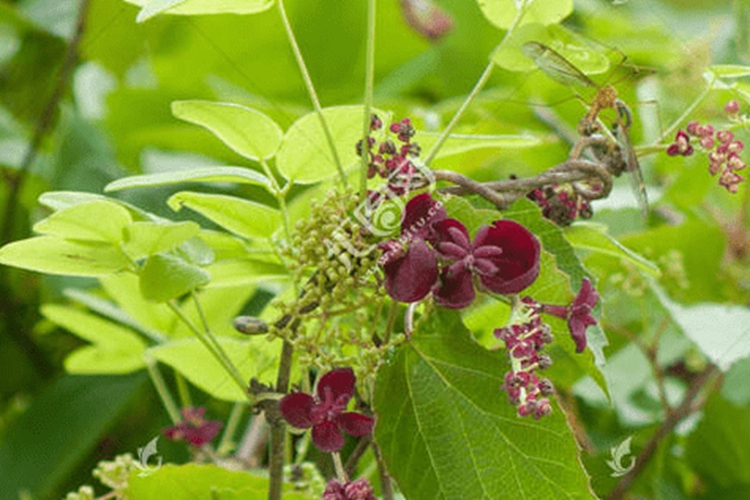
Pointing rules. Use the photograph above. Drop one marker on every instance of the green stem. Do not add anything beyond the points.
(182, 390)
(339, 467)
(218, 354)
(686, 113)
(477, 88)
(234, 420)
(311, 90)
(162, 391)
(390, 322)
(369, 86)
(444, 136)
(280, 195)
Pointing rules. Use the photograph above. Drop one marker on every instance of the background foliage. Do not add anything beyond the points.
(674, 287)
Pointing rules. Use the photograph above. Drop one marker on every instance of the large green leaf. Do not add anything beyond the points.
(116, 349)
(237, 175)
(594, 237)
(253, 358)
(166, 277)
(448, 431)
(51, 255)
(503, 13)
(462, 143)
(236, 272)
(61, 426)
(719, 449)
(305, 156)
(247, 131)
(243, 217)
(93, 221)
(197, 7)
(204, 481)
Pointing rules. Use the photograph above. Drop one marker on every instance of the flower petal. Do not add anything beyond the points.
(452, 231)
(339, 381)
(587, 296)
(198, 436)
(355, 424)
(327, 437)
(577, 328)
(296, 409)
(456, 289)
(410, 278)
(518, 264)
(419, 215)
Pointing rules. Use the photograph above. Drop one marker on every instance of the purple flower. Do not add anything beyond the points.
(504, 256)
(578, 314)
(410, 265)
(350, 490)
(194, 428)
(325, 412)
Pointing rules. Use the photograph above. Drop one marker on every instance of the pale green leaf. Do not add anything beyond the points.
(92, 221)
(116, 349)
(237, 175)
(236, 272)
(248, 132)
(729, 70)
(149, 238)
(198, 7)
(459, 143)
(570, 45)
(165, 277)
(593, 237)
(253, 358)
(503, 13)
(155, 7)
(200, 481)
(242, 217)
(305, 156)
(52, 255)
(124, 289)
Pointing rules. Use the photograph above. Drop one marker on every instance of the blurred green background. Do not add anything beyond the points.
(109, 117)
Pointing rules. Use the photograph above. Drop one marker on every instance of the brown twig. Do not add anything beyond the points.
(356, 454)
(386, 485)
(688, 406)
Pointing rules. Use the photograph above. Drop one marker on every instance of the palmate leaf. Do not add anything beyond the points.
(447, 431)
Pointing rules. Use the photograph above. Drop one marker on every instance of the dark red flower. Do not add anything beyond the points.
(578, 314)
(681, 145)
(194, 428)
(325, 412)
(410, 265)
(504, 256)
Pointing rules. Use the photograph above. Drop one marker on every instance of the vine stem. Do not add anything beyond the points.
(386, 485)
(162, 390)
(213, 347)
(368, 98)
(278, 427)
(311, 90)
(339, 466)
(689, 405)
(234, 421)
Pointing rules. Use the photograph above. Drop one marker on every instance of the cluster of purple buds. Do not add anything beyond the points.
(390, 160)
(561, 204)
(722, 148)
(194, 428)
(524, 342)
(349, 490)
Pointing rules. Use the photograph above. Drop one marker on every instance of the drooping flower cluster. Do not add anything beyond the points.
(435, 254)
(389, 160)
(350, 490)
(194, 428)
(326, 412)
(524, 341)
(561, 204)
(721, 147)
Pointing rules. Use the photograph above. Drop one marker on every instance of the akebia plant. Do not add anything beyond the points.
(374, 305)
